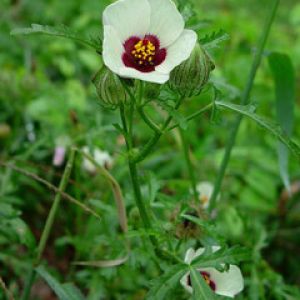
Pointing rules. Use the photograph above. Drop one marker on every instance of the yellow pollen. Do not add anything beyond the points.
(206, 278)
(204, 199)
(144, 52)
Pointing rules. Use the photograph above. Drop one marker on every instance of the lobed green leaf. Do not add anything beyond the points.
(214, 39)
(222, 257)
(265, 123)
(60, 31)
(165, 283)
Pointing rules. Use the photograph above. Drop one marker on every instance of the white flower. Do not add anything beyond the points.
(228, 283)
(145, 39)
(205, 190)
(61, 145)
(101, 157)
(59, 156)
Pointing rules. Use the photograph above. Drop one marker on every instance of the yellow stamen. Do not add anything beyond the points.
(204, 199)
(144, 52)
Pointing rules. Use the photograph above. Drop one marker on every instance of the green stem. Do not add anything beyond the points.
(138, 195)
(155, 138)
(132, 164)
(188, 162)
(134, 176)
(49, 224)
(147, 120)
(194, 115)
(244, 101)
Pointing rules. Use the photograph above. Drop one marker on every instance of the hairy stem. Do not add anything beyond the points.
(147, 120)
(155, 138)
(194, 115)
(244, 101)
(134, 175)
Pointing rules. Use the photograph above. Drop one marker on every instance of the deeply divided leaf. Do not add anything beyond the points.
(214, 39)
(60, 31)
(164, 284)
(268, 125)
(222, 257)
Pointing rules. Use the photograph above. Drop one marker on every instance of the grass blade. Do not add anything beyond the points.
(284, 79)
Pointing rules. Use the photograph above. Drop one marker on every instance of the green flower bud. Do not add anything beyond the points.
(110, 89)
(189, 78)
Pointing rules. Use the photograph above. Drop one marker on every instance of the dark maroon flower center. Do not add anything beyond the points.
(206, 277)
(143, 54)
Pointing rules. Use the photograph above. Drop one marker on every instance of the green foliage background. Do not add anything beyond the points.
(46, 91)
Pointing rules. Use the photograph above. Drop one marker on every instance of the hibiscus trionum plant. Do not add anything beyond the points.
(145, 40)
(155, 62)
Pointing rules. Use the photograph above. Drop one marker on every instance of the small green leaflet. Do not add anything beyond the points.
(201, 290)
(284, 78)
(60, 31)
(224, 256)
(168, 107)
(63, 291)
(268, 125)
(164, 284)
(214, 39)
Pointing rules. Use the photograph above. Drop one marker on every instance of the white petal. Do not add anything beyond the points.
(215, 248)
(128, 17)
(184, 283)
(102, 158)
(205, 190)
(87, 165)
(227, 283)
(112, 49)
(166, 22)
(178, 51)
(189, 255)
(200, 251)
(154, 76)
